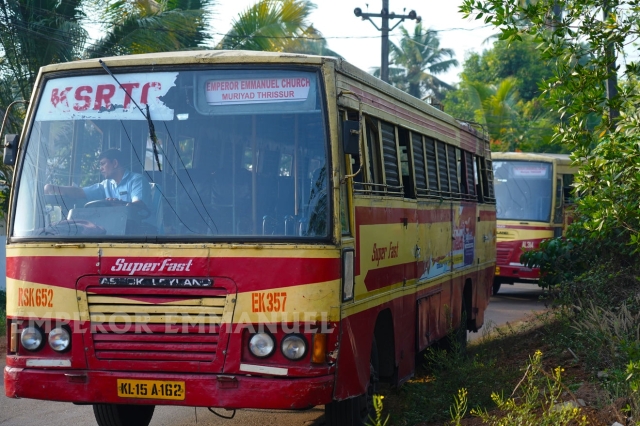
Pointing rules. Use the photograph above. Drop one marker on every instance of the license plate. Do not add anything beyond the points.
(151, 389)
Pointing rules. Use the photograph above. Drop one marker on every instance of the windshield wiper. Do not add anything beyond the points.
(147, 116)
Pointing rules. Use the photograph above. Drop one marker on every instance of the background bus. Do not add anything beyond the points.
(533, 203)
(309, 230)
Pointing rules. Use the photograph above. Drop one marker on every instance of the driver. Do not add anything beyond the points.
(120, 185)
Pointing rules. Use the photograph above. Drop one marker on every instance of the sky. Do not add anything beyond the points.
(359, 42)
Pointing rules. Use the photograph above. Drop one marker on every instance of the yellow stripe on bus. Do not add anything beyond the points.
(30, 299)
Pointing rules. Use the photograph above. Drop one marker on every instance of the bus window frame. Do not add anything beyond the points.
(38, 92)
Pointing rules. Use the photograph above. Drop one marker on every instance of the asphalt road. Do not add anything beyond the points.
(512, 304)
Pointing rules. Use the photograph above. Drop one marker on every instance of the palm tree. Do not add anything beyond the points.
(495, 106)
(35, 33)
(32, 33)
(417, 59)
(511, 123)
(144, 26)
(276, 26)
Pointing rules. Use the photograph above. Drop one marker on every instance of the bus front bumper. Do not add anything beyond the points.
(211, 390)
(517, 271)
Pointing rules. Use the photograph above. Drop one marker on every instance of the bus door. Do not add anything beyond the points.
(559, 211)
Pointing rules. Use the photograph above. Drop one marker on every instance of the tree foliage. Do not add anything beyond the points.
(584, 43)
(145, 26)
(500, 90)
(276, 26)
(416, 60)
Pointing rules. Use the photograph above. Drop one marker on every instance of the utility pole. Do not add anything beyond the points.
(384, 29)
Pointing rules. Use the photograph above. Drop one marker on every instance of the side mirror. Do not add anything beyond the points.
(10, 149)
(351, 137)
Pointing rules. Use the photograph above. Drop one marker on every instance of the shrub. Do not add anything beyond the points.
(538, 401)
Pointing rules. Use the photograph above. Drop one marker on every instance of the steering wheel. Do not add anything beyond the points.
(140, 210)
(104, 203)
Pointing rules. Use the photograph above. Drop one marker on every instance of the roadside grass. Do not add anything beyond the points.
(522, 371)
(488, 367)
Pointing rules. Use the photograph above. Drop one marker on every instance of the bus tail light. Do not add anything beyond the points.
(347, 274)
(319, 348)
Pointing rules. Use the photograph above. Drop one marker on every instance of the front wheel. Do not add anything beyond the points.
(123, 415)
(356, 411)
(496, 286)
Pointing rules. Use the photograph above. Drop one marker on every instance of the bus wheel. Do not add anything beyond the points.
(456, 340)
(356, 411)
(496, 286)
(123, 415)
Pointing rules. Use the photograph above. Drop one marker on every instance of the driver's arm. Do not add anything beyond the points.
(72, 191)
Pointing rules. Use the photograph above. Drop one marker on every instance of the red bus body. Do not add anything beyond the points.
(533, 205)
(165, 321)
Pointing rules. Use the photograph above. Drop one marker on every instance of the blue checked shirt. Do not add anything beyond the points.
(132, 187)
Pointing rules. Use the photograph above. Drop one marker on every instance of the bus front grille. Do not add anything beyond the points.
(503, 255)
(155, 327)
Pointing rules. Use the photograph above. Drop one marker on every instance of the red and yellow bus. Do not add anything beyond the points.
(303, 230)
(533, 202)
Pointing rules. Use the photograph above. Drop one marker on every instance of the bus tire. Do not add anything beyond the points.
(496, 286)
(456, 340)
(357, 411)
(123, 415)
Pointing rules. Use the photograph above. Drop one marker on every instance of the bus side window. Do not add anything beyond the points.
(558, 215)
(419, 164)
(443, 169)
(468, 175)
(373, 158)
(390, 159)
(567, 188)
(431, 161)
(454, 182)
(488, 173)
(355, 158)
(485, 184)
(405, 163)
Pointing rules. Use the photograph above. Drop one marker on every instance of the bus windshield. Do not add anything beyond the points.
(523, 190)
(206, 153)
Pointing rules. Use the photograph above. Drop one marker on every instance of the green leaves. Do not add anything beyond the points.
(500, 90)
(276, 26)
(416, 60)
(584, 40)
(145, 26)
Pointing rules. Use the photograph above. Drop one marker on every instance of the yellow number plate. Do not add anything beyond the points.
(151, 389)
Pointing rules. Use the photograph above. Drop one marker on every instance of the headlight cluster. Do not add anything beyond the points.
(32, 338)
(293, 346)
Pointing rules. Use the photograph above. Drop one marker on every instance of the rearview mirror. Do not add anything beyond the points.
(351, 137)
(10, 149)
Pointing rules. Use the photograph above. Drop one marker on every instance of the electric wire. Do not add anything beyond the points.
(133, 148)
(189, 176)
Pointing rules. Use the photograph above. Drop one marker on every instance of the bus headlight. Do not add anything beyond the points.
(31, 338)
(261, 345)
(59, 339)
(294, 347)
